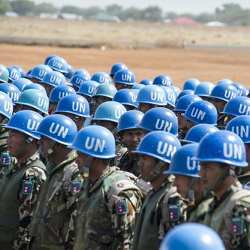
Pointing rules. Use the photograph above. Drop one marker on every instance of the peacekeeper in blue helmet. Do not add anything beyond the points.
(6, 110)
(21, 185)
(130, 136)
(219, 154)
(163, 208)
(241, 126)
(56, 202)
(192, 236)
(110, 198)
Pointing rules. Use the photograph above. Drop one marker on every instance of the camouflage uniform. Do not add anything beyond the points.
(230, 217)
(129, 164)
(20, 188)
(161, 210)
(51, 220)
(107, 212)
(5, 158)
(245, 179)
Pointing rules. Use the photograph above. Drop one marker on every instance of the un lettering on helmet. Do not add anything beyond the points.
(32, 124)
(163, 148)
(197, 113)
(118, 113)
(242, 131)
(192, 163)
(126, 77)
(229, 94)
(163, 125)
(78, 107)
(92, 90)
(43, 102)
(41, 73)
(244, 109)
(55, 79)
(95, 144)
(58, 129)
(156, 96)
(62, 94)
(232, 151)
(14, 95)
(8, 107)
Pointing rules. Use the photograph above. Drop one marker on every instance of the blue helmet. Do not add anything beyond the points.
(109, 111)
(125, 77)
(10, 89)
(192, 236)
(48, 58)
(185, 92)
(79, 78)
(242, 90)
(82, 72)
(163, 80)
(222, 147)
(117, 67)
(146, 82)
(241, 126)
(88, 88)
(196, 133)
(106, 90)
(39, 71)
(177, 90)
(53, 78)
(95, 141)
(201, 112)
(101, 77)
(36, 99)
(59, 92)
(14, 74)
(138, 86)
(183, 103)
(152, 94)
(170, 96)
(25, 121)
(184, 161)
(21, 83)
(36, 86)
(126, 97)
(59, 128)
(73, 104)
(59, 64)
(239, 105)
(191, 84)
(204, 89)
(6, 105)
(224, 92)
(224, 81)
(129, 120)
(160, 119)
(4, 74)
(20, 69)
(160, 145)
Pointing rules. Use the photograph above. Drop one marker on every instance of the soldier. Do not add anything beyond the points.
(127, 97)
(76, 107)
(163, 207)
(219, 153)
(51, 220)
(130, 136)
(110, 198)
(21, 185)
(241, 126)
(117, 67)
(192, 236)
(124, 79)
(6, 109)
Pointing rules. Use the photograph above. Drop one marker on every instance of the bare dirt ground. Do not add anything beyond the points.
(180, 64)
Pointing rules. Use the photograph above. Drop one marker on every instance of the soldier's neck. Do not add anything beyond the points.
(224, 187)
(96, 171)
(57, 158)
(26, 155)
(156, 184)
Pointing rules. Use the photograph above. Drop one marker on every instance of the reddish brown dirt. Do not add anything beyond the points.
(180, 64)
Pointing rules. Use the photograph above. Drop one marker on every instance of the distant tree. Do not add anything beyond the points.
(4, 6)
(91, 11)
(132, 13)
(205, 17)
(71, 9)
(23, 7)
(45, 8)
(153, 14)
(114, 10)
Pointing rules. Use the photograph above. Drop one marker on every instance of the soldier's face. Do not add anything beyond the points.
(83, 161)
(144, 107)
(107, 124)
(183, 184)
(16, 143)
(247, 146)
(78, 120)
(146, 165)
(181, 119)
(131, 138)
(210, 174)
(46, 146)
(219, 104)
